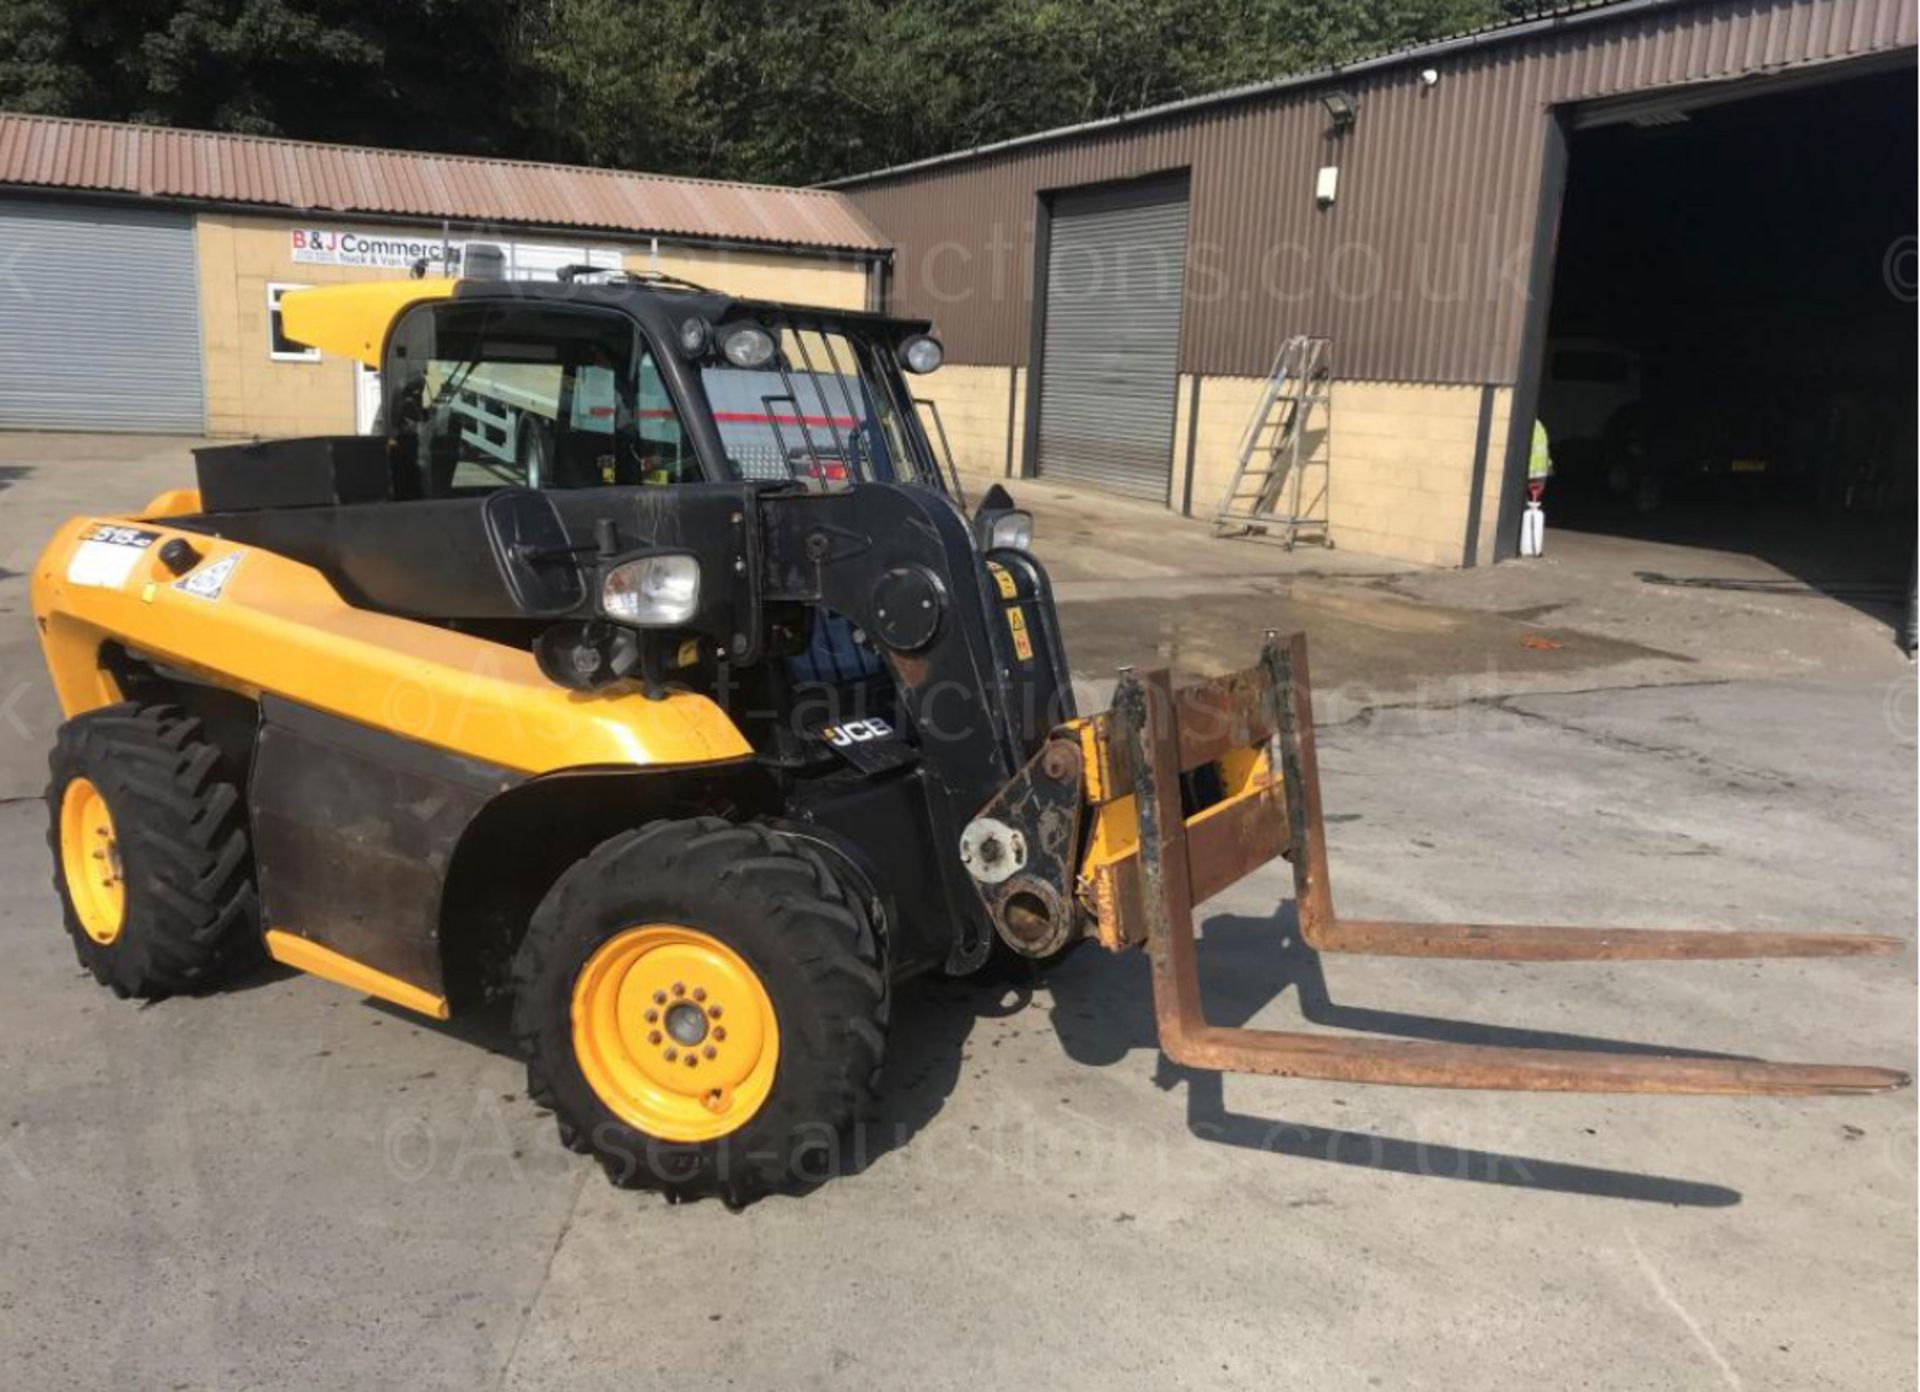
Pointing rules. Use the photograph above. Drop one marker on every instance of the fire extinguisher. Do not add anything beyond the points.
(1533, 523)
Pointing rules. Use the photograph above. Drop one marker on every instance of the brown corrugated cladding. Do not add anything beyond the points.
(1418, 272)
(210, 167)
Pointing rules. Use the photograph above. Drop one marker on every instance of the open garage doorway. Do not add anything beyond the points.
(1730, 358)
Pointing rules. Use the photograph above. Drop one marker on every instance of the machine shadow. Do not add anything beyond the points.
(1103, 1010)
(933, 1018)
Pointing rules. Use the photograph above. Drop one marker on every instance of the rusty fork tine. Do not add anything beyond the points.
(1343, 1059)
(1501, 942)
(1144, 710)
(1326, 931)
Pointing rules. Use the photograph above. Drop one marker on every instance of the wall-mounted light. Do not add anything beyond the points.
(1340, 109)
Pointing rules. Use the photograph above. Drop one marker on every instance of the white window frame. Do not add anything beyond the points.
(275, 289)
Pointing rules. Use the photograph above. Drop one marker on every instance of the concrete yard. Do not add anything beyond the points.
(289, 1185)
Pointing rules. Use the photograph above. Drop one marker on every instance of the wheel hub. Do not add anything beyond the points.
(674, 1032)
(90, 861)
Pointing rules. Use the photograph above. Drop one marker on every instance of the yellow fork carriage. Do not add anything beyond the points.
(1109, 833)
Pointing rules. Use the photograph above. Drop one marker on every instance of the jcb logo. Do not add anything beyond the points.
(857, 732)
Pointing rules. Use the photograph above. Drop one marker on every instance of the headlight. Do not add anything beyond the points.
(922, 353)
(652, 591)
(695, 334)
(1011, 531)
(747, 345)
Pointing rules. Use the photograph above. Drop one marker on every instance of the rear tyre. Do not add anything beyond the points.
(150, 853)
(703, 1006)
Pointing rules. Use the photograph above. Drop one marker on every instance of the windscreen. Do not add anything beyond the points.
(824, 410)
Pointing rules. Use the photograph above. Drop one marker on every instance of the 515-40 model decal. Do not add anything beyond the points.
(107, 555)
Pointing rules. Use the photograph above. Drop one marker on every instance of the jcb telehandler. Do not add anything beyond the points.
(674, 694)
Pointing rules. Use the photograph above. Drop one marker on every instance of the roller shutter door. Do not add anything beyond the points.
(99, 319)
(1110, 350)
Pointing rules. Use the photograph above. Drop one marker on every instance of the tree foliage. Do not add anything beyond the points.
(754, 89)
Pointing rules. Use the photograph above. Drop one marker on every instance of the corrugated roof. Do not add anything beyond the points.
(1534, 21)
(214, 167)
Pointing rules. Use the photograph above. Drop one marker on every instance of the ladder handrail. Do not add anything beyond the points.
(1299, 379)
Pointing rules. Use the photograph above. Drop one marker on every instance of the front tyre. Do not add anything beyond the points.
(150, 853)
(703, 1006)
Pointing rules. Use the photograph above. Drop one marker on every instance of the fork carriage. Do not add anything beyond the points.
(1130, 789)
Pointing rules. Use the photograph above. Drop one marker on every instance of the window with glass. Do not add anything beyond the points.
(280, 348)
(490, 395)
(817, 410)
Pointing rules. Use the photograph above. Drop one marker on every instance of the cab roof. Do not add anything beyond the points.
(353, 320)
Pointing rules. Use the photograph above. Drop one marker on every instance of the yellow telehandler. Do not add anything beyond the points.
(693, 727)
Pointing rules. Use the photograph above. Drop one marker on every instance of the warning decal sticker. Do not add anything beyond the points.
(210, 580)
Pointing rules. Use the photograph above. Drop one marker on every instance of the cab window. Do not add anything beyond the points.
(485, 395)
(818, 411)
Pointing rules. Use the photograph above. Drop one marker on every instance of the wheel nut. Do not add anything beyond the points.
(692, 1062)
(653, 1036)
(652, 1015)
(720, 1033)
(659, 997)
(699, 993)
(678, 989)
(709, 1051)
(713, 1011)
(672, 1055)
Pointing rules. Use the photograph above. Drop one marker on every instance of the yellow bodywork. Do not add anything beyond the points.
(277, 626)
(352, 320)
(303, 954)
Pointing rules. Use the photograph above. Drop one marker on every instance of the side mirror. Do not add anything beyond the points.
(537, 560)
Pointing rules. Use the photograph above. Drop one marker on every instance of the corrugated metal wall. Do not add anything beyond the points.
(1418, 271)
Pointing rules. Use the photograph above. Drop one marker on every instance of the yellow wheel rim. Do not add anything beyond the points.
(90, 859)
(674, 1032)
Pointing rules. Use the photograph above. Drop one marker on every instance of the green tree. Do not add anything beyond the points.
(787, 92)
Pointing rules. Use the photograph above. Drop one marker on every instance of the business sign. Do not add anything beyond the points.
(315, 246)
(319, 246)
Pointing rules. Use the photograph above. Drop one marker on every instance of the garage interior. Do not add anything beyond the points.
(1730, 354)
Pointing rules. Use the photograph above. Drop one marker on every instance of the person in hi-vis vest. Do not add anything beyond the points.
(1539, 463)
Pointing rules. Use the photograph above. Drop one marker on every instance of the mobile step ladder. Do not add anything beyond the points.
(1269, 492)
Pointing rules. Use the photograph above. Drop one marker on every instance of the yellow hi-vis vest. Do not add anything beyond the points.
(1540, 459)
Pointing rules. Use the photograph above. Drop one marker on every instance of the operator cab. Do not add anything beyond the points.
(580, 386)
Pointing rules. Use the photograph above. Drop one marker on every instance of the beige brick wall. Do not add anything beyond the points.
(1396, 460)
(249, 393)
(972, 402)
(762, 275)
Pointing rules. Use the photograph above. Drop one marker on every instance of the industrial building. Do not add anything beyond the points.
(140, 267)
(1679, 232)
